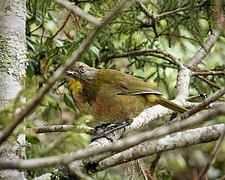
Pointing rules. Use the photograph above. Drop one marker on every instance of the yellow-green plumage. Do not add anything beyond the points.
(112, 96)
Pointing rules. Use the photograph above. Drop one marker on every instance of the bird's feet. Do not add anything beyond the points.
(107, 129)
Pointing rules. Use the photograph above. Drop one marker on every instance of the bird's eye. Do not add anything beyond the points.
(82, 69)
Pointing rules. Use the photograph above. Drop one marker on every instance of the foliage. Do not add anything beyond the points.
(53, 34)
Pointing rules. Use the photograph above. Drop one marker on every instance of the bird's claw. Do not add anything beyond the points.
(109, 129)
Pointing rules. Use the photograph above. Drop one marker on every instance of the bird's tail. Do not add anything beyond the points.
(171, 105)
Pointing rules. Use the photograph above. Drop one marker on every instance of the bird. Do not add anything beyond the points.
(112, 96)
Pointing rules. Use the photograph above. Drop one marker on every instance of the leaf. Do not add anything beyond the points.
(30, 43)
(51, 17)
(33, 139)
(69, 101)
(95, 50)
(30, 70)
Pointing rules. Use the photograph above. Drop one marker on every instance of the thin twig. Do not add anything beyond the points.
(202, 52)
(212, 156)
(151, 15)
(162, 15)
(142, 170)
(209, 82)
(63, 128)
(208, 73)
(202, 105)
(171, 58)
(154, 163)
(60, 29)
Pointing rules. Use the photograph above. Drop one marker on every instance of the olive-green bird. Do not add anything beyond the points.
(112, 96)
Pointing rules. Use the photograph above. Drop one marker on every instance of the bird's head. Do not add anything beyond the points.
(81, 72)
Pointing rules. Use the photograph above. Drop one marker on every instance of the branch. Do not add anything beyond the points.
(208, 73)
(79, 12)
(115, 147)
(62, 128)
(162, 15)
(182, 86)
(202, 105)
(209, 82)
(201, 54)
(219, 14)
(149, 52)
(149, 115)
(213, 155)
(61, 70)
(169, 142)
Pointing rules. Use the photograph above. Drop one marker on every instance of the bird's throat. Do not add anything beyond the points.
(75, 86)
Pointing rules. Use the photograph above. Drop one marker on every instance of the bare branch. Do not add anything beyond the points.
(213, 155)
(202, 105)
(146, 11)
(141, 169)
(147, 116)
(61, 70)
(149, 52)
(208, 73)
(79, 12)
(219, 14)
(154, 113)
(133, 140)
(209, 82)
(162, 15)
(63, 128)
(169, 142)
(201, 54)
(182, 86)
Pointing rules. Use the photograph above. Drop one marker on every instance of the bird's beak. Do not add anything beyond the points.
(70, 72)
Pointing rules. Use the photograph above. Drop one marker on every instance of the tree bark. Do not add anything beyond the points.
(12, 68)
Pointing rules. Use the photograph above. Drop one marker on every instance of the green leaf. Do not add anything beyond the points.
(33, 139)
(30, 70)
(52, 101)
(95, 50)
(69, 101)
(51, 17)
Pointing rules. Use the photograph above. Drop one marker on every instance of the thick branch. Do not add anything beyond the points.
(118, 146)
(169, 142)
(79, 12)
(182, 86)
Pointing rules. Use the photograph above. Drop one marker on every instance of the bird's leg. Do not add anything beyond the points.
(109, 130)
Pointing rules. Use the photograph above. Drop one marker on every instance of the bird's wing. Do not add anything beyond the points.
(124, 84)
(134, 88)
